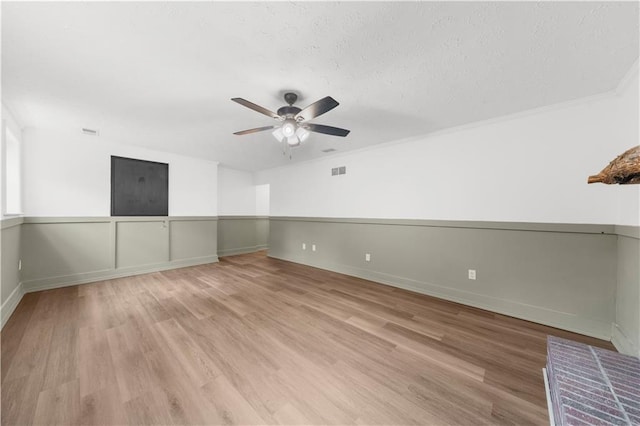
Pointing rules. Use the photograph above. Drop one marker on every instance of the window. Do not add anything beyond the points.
(13, 200)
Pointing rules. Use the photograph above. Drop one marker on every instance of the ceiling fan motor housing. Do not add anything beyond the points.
(288, 111)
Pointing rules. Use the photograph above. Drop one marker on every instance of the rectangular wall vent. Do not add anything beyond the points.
(90, 132)
(342, 170)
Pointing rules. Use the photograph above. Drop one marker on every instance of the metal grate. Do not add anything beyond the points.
(90, 132)
(342, 170)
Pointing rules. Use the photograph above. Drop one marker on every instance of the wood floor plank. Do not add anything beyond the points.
(231, 407)
(131, 368)
(31, 356)
(102, 407)
(196, 364)
(95, 364)
(62, 362)
(59, 405)
(290, 415)
(383, 403)
(148, 409)
(14, 330)
(253, 340)
(19, 398)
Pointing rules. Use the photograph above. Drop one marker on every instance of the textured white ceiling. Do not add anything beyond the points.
(161, 75)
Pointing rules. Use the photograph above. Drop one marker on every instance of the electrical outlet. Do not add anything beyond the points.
(313, 247)
(472, 274)
(20, 265)
(367, 257)
(304, 246)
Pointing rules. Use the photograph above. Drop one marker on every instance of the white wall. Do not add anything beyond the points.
(11, 124)
(627, 132)
(239, 196)
(262, 200)
(530, 168)
(11, 121)
(236, 193)
(68, 174)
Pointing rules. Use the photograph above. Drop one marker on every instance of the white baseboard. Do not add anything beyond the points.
(540, 315)
(241, 250)
(10, 304)
(622, 343)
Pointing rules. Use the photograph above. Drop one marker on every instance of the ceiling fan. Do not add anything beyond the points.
(295, 127)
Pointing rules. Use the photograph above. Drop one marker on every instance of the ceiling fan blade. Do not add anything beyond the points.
(317, 108)
(256, 130)
(327, 130)
(255, 107)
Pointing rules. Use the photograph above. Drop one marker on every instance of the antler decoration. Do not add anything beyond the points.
(623, 170)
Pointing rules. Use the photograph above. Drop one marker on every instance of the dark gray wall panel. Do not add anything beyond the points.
(139, 187)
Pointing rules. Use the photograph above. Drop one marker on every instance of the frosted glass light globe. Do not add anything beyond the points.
(288, 128)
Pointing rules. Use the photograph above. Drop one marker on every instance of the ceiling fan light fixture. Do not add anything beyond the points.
(293, 123)
(277, 133)
(302, 134)
(289, 128)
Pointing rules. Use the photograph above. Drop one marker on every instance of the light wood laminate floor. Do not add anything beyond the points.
(254, 340)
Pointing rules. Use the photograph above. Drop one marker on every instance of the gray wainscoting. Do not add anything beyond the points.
(560, 275)
(193, 239)
(10, 288)
(626, 328)
(66, 251)
(61, 251)
(242, 234)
